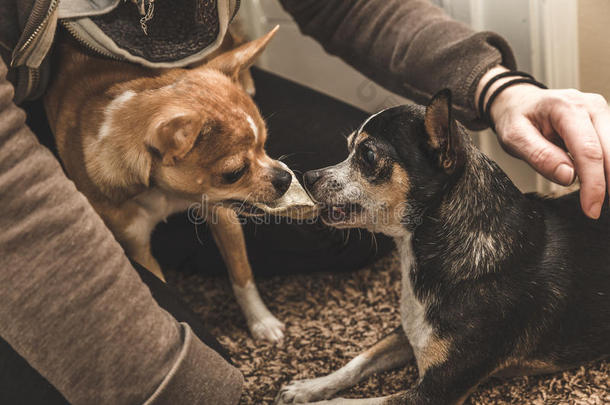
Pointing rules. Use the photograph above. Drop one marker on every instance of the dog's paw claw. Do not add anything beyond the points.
(268, 328)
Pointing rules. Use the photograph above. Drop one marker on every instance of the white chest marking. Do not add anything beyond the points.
(111, 108)
(154, 206)
(412, 310)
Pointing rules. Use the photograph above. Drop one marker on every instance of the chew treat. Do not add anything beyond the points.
(295, 203)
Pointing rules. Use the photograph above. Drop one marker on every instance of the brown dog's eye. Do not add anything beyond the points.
(235, 175)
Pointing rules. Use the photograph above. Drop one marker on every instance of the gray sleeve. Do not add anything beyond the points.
(70, 302)
(411, 47)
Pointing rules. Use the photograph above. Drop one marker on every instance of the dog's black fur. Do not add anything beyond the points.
(511, 283)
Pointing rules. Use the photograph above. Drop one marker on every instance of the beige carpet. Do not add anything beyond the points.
(332, 317)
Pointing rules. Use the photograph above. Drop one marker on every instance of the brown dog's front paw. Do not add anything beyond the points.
(268, 328)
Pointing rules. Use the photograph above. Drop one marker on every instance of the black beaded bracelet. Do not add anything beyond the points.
(496, 93)
(512, 73)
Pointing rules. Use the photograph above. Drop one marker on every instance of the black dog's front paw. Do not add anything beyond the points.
(304, 391)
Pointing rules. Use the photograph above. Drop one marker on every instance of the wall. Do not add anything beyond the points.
(594, 45)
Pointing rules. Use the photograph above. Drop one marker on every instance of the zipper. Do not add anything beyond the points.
(237, 5)
(37, 14)
(29, 79)
(96, 49)
(33, 80)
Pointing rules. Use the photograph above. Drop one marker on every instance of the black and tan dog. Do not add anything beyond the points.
(495, 282)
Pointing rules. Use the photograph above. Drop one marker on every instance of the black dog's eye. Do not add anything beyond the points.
(235, 175)
(369, 156)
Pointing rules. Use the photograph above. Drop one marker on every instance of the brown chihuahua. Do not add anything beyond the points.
(142, 144)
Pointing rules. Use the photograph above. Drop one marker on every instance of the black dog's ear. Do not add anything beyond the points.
(442, 132)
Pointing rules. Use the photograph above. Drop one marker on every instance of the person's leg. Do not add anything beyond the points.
(308, 129)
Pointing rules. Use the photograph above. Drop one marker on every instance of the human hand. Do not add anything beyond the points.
(540, 126)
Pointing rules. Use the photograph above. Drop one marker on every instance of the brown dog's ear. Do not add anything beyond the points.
(442, 132)
(239, 59)
(174, 136)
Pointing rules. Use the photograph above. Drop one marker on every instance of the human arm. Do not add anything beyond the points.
(410, 47)
(540, 126)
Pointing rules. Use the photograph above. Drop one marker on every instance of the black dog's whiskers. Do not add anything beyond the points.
(348, 133)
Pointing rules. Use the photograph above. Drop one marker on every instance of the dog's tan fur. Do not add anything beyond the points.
(141, 144)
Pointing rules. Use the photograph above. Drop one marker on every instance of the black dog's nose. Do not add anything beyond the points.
(281, 180)
(311, 177)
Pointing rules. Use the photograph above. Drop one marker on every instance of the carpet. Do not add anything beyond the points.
(330, 318)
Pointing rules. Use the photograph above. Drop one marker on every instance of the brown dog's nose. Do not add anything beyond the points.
(281, 180)
(311, 177)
